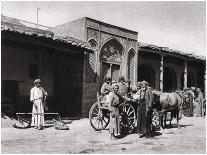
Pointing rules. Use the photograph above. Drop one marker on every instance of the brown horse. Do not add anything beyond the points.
(170, 102)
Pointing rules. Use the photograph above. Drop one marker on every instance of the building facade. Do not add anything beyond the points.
(119, 53)
(29, 53)
(73, 65)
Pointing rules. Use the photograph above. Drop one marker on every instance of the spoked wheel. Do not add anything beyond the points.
(99, 118)
(128, 117)
(155, 119)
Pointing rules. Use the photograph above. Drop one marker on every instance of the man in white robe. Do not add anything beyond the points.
(38, 97)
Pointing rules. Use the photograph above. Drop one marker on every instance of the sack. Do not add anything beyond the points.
(61, 126)
(22, 125)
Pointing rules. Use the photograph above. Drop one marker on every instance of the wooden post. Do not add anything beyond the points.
(161, 73)
(185, 75)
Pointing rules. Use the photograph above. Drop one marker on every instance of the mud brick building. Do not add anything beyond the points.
(29, 53)
(73, 65)
(119, 53)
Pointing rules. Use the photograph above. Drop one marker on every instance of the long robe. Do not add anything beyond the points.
(197, 111)
(37, 95)
(189, 111)
(114, 125)
(143, 111)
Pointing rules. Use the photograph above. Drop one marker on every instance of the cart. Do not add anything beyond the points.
(99, 116)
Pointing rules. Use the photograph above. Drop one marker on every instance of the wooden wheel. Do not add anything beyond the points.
(128, 117)
(99, 118)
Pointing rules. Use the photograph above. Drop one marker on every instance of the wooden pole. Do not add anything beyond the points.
(37, 17)
(161, 73)
(185, 75)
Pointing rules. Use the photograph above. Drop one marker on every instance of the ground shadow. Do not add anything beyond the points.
(153, 134)
(176, 126)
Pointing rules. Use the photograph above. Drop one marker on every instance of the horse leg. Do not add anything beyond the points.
(165, 119)
(171, 119)
(178, 119)
(161, 119)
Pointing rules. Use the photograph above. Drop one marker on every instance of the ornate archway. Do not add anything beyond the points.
(111, 59)
(147, 73)
(169, 80)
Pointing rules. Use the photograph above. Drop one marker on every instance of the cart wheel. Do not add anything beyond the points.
(155, 119)
(99, 118)
(128, 117)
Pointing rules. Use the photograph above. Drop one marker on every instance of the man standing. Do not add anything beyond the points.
(123, 86)
(144, 110)
(38, 97)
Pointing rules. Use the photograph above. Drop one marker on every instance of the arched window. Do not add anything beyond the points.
(131, 63)
(111, 58)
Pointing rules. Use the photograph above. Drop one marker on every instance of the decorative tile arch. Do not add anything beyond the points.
(111, 50)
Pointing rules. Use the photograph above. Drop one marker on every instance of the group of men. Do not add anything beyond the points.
(142, 95)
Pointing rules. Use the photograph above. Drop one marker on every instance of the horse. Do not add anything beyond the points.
(170, 102)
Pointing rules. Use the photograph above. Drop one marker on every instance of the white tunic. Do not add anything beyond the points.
(37, 95)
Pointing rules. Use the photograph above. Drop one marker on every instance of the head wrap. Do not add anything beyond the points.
(145, 83)
(107, 78)
(37, 81)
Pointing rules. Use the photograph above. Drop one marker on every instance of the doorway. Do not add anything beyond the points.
(111, 70)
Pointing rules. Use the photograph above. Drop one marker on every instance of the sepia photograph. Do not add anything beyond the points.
(103, 77)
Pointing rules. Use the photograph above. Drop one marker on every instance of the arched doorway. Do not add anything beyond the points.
(190, 80)
(169, 80)
(111, 58)
(130, 64)
(146, 72)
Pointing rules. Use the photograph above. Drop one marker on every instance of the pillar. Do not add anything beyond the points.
(185, 75)
(161, 73)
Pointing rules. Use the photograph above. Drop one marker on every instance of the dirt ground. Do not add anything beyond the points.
(81, 138)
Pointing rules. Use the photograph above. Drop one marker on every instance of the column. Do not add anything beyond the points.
(185, 85)
(161, 73)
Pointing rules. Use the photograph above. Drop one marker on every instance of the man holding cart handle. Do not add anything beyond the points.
(38, 96)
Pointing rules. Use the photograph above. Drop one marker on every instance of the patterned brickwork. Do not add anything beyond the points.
(91, 68)
(131, 66)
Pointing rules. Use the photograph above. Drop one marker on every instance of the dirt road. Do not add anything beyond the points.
(81, 138)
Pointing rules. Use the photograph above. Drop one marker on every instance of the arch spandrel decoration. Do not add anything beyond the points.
(111, 51)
